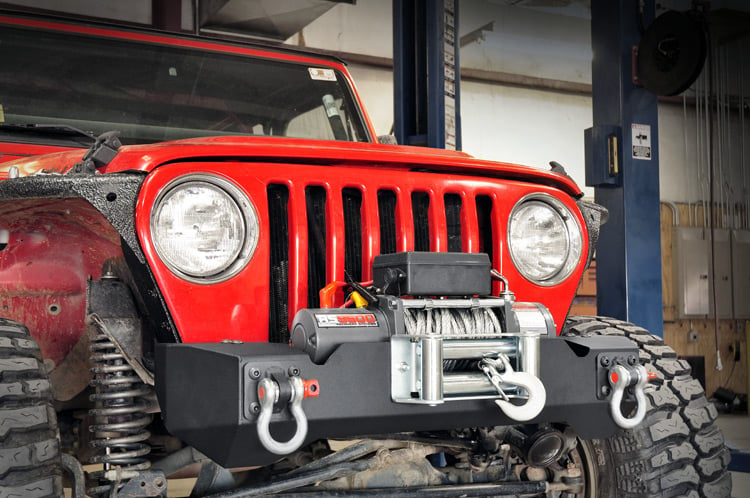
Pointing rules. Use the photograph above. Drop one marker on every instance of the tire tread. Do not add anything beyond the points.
(678, 450)
(30, 462)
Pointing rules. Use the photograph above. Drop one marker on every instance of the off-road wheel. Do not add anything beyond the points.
(677, 450)
(30, 462)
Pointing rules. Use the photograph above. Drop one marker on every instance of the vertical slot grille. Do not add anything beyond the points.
(420, 202)
(453, 221)
(315, 198)
(352, 200)
(484, 221)
(387, 216)
(278, 204)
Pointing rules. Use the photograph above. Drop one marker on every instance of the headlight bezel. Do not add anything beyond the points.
(250, 223)
(573, 231)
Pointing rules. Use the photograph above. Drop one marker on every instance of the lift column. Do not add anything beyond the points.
(622, 163)
(426, 73)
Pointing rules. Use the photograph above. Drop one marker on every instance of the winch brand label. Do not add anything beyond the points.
(356, 320)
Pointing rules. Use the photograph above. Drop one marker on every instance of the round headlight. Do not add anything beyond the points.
(204, 228)
(545, 239)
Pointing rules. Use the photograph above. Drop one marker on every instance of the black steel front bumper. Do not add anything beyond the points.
(208, 394)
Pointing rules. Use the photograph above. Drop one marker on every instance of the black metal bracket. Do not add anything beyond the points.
(604, 362)
(100, 154)
(148, 484)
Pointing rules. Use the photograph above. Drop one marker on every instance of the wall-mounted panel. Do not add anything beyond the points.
(723, 274)
(741, 272)
(690, 269)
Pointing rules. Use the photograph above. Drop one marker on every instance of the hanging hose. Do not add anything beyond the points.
(711, 205)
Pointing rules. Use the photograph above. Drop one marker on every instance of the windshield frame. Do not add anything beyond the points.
(199, 45)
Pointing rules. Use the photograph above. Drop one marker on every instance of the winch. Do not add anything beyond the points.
(457, 346)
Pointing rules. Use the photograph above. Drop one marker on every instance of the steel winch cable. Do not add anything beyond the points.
(453, 323)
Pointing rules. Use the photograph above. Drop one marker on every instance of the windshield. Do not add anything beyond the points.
(156, 92)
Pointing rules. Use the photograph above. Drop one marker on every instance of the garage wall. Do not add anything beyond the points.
(527, 125)
(500, 122)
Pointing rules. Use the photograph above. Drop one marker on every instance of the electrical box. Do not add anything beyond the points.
(723, 274)
(602, 145)
(690, 272)
(741, 272)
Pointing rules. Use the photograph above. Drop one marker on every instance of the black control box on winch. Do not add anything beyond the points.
(433, 274)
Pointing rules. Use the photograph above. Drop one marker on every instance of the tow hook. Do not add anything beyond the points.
(537, 395)
(268, 395)
(620, 378)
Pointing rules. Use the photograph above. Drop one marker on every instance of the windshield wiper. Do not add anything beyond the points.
(50, 129)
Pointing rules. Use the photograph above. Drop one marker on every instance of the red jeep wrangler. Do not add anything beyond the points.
(210, 266)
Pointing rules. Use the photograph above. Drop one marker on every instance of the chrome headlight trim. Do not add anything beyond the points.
(567, 229)
(243, 218)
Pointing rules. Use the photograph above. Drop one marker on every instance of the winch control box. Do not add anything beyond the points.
(433, 273)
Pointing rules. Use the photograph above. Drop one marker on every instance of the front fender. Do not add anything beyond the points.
(62, 229)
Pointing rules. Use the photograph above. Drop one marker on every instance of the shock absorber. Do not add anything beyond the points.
(120, 417)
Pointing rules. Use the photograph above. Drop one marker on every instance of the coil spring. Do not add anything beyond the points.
(119, 413)
(452, 322)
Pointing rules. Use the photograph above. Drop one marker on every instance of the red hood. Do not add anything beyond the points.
(58, 162)
(148, 157)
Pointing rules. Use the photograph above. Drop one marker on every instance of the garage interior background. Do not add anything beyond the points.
(526, 98)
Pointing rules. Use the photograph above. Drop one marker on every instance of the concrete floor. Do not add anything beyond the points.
(736, 429)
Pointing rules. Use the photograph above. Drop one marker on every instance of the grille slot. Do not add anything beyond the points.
(315, 198)
(352, 199)
(484, 221)
(278, 206)
(453, 221)
(420, 205)
(387, 215)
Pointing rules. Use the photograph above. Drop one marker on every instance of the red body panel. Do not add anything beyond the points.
(55, 245)
(238, 308)
(13, 151)
(148, 157)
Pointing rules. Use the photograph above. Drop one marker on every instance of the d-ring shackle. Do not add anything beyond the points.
(621, 377)
(268, 394)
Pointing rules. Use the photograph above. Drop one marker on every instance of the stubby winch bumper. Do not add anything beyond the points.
(362, 371)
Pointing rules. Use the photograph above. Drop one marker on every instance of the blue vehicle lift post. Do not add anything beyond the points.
(426, 73)
(622, 164)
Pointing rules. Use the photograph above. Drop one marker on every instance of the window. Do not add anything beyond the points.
(155, 92)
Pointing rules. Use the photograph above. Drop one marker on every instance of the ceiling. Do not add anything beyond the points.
(265, 19)
(273, 19)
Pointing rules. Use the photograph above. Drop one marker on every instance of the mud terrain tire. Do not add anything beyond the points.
(677, 450)
(30, 462)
